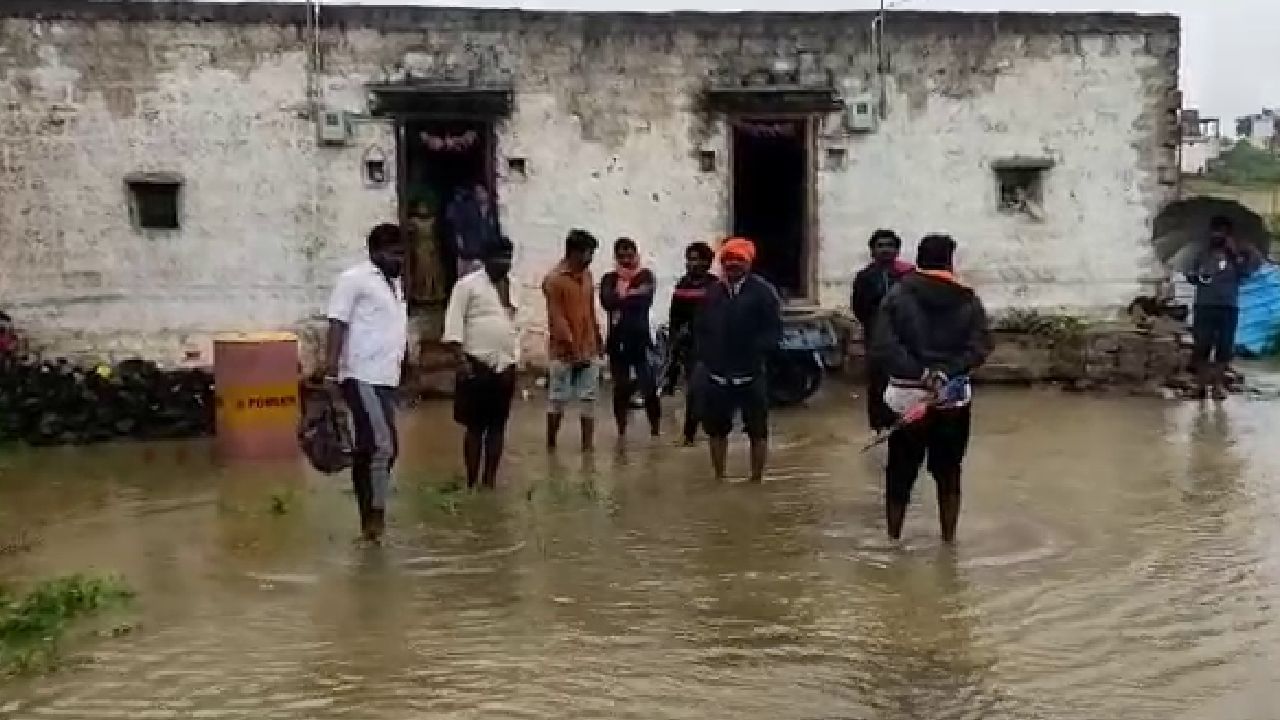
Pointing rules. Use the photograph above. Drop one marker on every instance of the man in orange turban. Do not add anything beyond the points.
(740, 249)
(740, 324)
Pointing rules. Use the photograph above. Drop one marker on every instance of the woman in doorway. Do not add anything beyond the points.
(426, 271)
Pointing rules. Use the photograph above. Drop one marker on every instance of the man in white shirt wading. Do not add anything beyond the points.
(480, 327)
(368, 338)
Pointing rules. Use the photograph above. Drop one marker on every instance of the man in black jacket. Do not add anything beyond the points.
(739, 325)
(931, 329)
(870, 286)
(686, 302)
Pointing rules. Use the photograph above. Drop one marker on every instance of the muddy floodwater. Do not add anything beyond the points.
(1118, 558)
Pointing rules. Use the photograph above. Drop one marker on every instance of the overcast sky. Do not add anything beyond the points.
(1230, 59)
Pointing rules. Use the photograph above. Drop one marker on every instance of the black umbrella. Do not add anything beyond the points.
(1183, 226)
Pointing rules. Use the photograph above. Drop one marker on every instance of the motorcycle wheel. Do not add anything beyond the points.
(793, 378)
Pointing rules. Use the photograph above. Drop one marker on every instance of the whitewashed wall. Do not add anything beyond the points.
(605, 117)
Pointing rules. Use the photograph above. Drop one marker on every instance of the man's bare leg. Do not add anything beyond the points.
(553, 428)
(719, 454)
(588, 434)
(948, 502)
(949, 515)
(494, 440)
(1219, 389)
(895, 514)
(759, 457)
(471, 447)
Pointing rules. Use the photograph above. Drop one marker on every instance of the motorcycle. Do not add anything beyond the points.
(794, 371)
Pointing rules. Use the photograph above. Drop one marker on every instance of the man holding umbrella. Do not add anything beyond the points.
(1217, 271)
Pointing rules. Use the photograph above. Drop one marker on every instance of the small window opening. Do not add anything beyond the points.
(836, 158)
(1021, 186)
(154, 201)
(707, 160)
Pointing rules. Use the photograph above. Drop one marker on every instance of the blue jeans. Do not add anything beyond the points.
(567, 384)
(376, 446)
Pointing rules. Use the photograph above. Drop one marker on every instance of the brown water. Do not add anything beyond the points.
(1118, 559)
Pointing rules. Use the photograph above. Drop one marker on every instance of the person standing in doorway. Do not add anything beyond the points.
(870, 286)
(480, 327)
(474, 222)
(686, 303)
(425, 282)
(930, 330)
(1217, 272)
(574, 338)
(626, 294)
(739, 326)
(366, 346)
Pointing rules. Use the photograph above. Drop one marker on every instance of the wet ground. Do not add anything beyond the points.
(1119, 558)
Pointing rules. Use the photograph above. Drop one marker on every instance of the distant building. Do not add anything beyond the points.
(1201, 142)
(1260, 129)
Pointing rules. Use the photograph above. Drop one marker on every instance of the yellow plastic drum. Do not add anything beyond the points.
(255, 379)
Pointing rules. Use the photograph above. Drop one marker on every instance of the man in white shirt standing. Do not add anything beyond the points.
(367, 342)
(480, 327)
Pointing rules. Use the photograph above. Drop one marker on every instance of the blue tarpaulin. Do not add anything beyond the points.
(1259, 328)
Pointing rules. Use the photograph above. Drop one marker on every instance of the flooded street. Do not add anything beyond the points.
(1117, 558)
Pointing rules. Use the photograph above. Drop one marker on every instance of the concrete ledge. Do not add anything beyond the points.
(1109, 355)
(415, 19)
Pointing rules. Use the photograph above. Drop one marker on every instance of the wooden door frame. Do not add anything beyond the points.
(402, 122)
(810, 124)
(401, 125)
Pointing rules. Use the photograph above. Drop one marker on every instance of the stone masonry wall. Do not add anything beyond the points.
(607, 119)
(1104, 355)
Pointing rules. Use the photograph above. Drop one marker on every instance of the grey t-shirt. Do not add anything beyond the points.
(1217, 275)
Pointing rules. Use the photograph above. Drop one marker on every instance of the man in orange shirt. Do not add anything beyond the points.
(574, 337)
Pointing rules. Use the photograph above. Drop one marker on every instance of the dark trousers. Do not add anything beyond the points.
(721, 402)
(682, 363)
(879, 415)
(941, 438)
(695, 380)
(1213, 330)
(482, 400)
(373, 417)
(631, 371)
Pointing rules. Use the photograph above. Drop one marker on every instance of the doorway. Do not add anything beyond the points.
(443, 162)
(771, 185)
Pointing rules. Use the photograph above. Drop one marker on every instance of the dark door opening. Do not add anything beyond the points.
(771, 198)
(444, 162)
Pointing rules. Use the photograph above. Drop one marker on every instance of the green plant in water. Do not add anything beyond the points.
(446, 497)
(21, 542)
(32, 625)
(282, 502)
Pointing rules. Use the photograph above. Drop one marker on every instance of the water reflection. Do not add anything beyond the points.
(1118, 558)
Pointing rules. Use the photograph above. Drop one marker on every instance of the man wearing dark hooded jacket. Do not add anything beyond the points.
(870, 286)
(931, 329)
